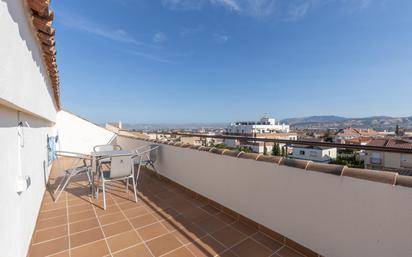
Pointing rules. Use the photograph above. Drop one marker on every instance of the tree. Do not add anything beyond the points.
(276, 150)
(397, 130)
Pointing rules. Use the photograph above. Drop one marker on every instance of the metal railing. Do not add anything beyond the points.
(293, 142)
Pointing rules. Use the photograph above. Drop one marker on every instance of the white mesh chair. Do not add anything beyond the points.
(149, 153)
(77, 164)
(104, 148)
(121, 168)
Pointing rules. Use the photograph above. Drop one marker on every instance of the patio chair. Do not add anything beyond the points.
(121, 168)
(150, 152)
(79, 164)
(104, 148)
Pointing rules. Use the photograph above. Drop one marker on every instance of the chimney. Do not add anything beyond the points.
(120, 124)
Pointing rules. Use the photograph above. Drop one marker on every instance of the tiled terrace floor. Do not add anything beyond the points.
(164, 222)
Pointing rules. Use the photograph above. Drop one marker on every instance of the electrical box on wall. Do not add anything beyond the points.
(22, 184)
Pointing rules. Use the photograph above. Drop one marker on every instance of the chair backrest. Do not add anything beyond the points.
(121, 166)
(153, 152)
(102, 148)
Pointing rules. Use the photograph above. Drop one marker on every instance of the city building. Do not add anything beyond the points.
(314, 153)
(259, 147)
(250, 128)
(352, 133)
(379, 160)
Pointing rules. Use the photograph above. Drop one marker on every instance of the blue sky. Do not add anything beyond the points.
(178, 61)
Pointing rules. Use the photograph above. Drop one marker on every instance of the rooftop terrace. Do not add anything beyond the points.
(167, 221)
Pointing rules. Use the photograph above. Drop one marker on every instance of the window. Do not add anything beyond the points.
(301, 152)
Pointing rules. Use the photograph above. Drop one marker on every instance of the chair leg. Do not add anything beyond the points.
(127, 185)
(64, 186)
(104, 195)
(134, 189)
(97, 188)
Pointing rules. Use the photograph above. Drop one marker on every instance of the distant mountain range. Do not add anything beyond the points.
(315, 122)
(330, 121)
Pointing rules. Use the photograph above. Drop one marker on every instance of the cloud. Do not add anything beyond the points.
(298, 11)
(221, 38)
(117, 35)
(159, 37)
(150, 57)
(288, 10)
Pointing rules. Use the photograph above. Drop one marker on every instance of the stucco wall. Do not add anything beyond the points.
(79, 135)
(334, 216)
(24, 82)
(19, 211)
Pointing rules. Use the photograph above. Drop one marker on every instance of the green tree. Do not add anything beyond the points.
(276, 150)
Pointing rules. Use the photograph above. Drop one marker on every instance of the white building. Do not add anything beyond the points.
(264, 126)
(314, 153)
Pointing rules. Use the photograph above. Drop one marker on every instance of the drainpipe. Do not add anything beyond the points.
(23, 182)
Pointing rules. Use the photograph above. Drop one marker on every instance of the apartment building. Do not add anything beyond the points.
(314, 153)
(353, 133)
(388, 160)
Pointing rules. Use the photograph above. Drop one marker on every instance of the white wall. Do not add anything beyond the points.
(79, 135)
(24, 82)
(19, 211)
(334, 216)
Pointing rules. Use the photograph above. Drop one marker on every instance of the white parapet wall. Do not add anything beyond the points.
(79, 135)
(332, 215)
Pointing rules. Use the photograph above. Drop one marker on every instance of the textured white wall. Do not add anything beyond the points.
(334, 216)
(24, 82)
(19, 211)
(79, 135)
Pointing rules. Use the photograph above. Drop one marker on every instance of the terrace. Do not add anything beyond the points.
(215, 202)
(203, 201)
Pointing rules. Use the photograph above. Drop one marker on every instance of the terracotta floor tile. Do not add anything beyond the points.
(116, 228)
(111, 218)
(83, 225)
(123, 240)
(136, 211)
(249, 248)
(152, 231)
(61, 254)
(85, 237)
(135, 251)
(81, 216)
(48, 234)
(225, 218)
(80, 208)
(189, 234)
(229, 253)
(229, 236)
(96, 249)
(206, 246)
(53, 222)
(245, 229)
(267, 241)
(109, 210)
(287, 252)
(181, 252)
(49, 247)
(211, 225)
(52, 214)
(142, 221)
(211, 210)
(163, 244)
